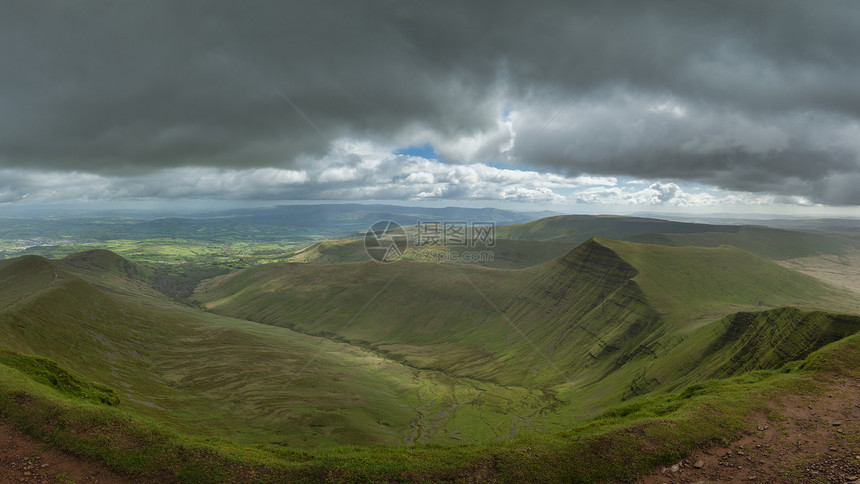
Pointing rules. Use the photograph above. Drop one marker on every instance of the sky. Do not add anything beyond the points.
(574, 106)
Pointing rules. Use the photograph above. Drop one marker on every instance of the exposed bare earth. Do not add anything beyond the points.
(25, 459)
(817, 439)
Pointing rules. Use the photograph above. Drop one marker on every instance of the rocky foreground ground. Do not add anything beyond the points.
(817, 439)
(25, 459)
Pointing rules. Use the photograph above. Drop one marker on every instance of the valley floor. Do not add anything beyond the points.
(806, 439)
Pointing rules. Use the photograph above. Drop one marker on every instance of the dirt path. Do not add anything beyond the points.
(817, 440)
(25, 459)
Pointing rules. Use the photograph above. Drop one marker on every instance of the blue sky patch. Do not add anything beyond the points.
(424, 151)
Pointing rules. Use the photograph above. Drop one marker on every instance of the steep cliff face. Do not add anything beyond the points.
(769, 339)
(609, 320)
(584, 313)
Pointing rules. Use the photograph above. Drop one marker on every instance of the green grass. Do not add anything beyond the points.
(175, 266)
(576, 229)
(770, 243)
(610, 321)
(209, 375)
(691, 283)
(775, 244)
(630, 439)
(410, 371)
(504, 254)
(46, 372)
(174, 252)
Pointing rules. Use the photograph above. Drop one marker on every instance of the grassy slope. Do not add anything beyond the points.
(630, 439)
(506, 254)
(526, 244)
(775, 244)
(693, 283)
(586, 328)
(210, 375)
(770, 243)
(575, 229)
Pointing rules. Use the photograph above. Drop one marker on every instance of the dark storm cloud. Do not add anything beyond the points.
(759, 96)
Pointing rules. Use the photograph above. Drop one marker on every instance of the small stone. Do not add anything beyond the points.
(675, 468)
(762, 428)
(852, 478)
(740, 452)
(699, 464)
(837, 423)
(27, 473)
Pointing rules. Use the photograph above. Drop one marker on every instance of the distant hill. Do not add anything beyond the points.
(297, 223)
(771, 243)
(776, 244)
(843, 225)
(311, 222)
(531, 243)
(576, 229)
(506, 254)
(366, 214)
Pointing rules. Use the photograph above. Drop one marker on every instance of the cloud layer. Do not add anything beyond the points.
(260, 97)
(359, 171)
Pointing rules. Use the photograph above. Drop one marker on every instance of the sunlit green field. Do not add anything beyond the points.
(173, 251)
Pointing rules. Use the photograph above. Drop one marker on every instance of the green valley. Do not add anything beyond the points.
(322, 363)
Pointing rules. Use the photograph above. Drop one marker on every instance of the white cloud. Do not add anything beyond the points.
(669, 194)
(421, 177)
(364, 171)
(338, 174)
(596, 180)
(187, 182)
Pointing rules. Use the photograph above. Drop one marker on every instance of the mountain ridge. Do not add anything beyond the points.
(593, 312)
